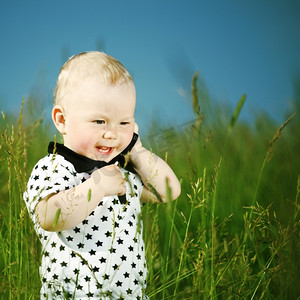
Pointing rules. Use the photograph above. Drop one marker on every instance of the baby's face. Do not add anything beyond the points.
(99, 119)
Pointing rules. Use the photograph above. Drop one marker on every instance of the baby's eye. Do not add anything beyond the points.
(99, 121)
(124, 123)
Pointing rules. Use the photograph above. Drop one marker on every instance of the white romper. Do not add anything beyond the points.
(101, 258)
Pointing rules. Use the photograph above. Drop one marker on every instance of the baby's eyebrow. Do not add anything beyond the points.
(99, 116)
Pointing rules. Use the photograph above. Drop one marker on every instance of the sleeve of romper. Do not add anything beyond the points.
(48, 176)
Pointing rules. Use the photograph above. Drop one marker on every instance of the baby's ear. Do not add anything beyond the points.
(58, 117)
(136, 128)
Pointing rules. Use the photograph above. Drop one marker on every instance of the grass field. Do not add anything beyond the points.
(232, 234)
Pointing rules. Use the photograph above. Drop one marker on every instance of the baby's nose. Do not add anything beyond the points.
(110, 133)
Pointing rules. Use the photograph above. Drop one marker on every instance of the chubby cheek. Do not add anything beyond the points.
(126, 139)
(80, 142)
(83, 147)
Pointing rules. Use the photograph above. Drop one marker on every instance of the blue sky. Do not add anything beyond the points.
(237, 46)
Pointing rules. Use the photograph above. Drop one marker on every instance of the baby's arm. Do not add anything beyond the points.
(75, 204)
(154, 173)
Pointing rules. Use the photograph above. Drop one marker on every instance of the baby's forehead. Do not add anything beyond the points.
(94, 89)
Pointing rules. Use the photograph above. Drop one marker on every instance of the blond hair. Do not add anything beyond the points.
(91, 64)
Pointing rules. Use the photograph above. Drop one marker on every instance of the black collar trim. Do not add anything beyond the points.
(84, 164)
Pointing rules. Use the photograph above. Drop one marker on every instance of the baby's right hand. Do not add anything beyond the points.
(110, 180)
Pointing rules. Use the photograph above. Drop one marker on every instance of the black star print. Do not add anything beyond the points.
(55, 276)
(120, 241)
(123, 257)
(130, 223)
(115, 267)
(108, 233)
(112, 250)
(102, 260)
(130, 248)
(69, 239)
(73, 254)
(95, 228)
(92, 252)
(126, 275)
(58, 293)
(66, 178)
(76, 229)
(53, 245)
(133, 265)
(76, 271)
(47, 178)
(104, 218)
(141, 273)
(99, 286)
(80, 245)
(129, 291)
(116, 225)
(36, 177)
(110, 209)
(115, 201)
(63, 264)
(95, 269)
(67, 280)
(79, 287)
(53, 260)
(126, 232)
(105, 277)
(88, 236)
(118, 283)
(89, 294)
(136, 282)
(84, 222)
(87, 278)
(138, 256)
(99, 244)
(46, 254)
(61, 248)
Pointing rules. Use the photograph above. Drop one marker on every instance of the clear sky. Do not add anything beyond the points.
(237, 46)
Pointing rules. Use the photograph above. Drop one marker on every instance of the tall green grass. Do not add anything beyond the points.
(232, 234)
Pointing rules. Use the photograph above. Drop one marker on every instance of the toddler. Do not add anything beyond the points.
(84, 196)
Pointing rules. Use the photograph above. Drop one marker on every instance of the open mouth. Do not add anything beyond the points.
(105, 150)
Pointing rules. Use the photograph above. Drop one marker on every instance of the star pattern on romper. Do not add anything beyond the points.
(111, 226)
